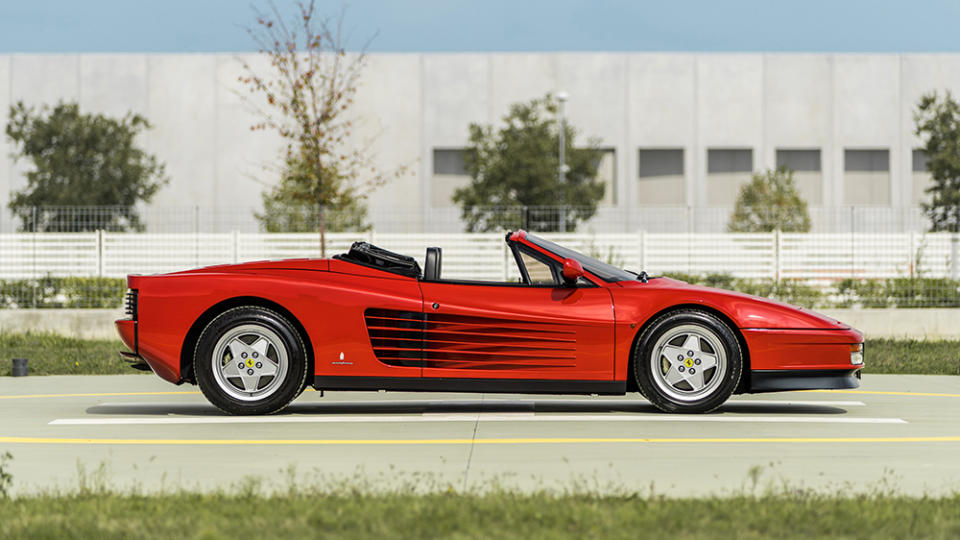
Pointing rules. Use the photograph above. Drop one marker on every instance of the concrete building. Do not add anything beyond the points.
(680, 130)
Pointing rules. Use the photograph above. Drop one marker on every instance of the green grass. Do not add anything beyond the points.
(492, 515)
(912, 357)
(51, 354)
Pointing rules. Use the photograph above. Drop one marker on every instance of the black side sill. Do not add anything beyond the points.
(501, 386)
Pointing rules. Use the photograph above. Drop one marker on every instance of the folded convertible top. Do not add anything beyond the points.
(374, 257)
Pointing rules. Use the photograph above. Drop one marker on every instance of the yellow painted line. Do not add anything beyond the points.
(882, 393)
(100, 394)
(551, 440)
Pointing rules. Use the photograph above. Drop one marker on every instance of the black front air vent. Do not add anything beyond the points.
(130, 304)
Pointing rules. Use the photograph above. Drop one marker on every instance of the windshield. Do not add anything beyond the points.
(600, 269)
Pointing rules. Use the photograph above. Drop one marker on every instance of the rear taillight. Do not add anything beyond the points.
(130, 304)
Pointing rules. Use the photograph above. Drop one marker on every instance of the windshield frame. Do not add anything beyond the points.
(604, 271)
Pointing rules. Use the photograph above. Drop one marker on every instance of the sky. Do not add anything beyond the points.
(496, 25)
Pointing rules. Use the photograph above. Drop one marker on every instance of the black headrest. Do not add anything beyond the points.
(431, 266)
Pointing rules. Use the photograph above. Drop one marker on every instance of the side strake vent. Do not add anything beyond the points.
(396, 336)
(406, 338)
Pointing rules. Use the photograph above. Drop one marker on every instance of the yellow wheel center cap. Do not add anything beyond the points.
(688, 362)
(249, 362)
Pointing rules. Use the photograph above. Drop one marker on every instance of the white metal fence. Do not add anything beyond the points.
(608, 219)
(806, 256)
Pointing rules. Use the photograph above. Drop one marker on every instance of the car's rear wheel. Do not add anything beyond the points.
(250, 360)
(687, 361)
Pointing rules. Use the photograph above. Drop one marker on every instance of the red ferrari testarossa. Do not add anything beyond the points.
(253, 336)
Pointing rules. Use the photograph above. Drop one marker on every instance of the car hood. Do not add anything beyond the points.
(747, 311)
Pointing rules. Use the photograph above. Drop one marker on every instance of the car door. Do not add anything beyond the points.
(536, 330)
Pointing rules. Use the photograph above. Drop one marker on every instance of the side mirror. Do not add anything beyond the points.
(572, 271)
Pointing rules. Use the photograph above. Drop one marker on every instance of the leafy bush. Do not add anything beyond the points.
(6, 479)
(868, 293)
(720, 281)
(515, 165)
(900, 292)
(80, 159)
(791, 291)
(93, 292)
(693, 279)
(68, 292)
(786, 290)
(924, 292)
(770, 201)
(916, 292)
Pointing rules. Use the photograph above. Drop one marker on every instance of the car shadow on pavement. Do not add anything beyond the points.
(460, 406)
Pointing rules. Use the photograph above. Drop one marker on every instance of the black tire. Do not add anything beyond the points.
(673, 348)
(268, 342)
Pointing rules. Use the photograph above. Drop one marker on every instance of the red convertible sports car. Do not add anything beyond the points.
(253, 336)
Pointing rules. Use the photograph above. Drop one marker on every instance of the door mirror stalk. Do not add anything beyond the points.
(572, 271)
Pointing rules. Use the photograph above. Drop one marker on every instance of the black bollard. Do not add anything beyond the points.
(19, 367)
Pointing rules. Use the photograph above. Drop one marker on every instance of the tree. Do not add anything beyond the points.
(307, 94)
(938, 121)
(516, 166)
(770, 201)
(81, 160)
(289, 207)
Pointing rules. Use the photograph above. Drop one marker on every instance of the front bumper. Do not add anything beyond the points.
(788, 349)
(779, 380)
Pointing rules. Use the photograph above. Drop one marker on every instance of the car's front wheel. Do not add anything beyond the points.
(250, 360)
(687, 361)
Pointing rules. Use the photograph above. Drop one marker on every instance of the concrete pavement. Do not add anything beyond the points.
(901, 430)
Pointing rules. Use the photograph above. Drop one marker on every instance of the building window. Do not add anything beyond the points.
(727, 170)
(919, 161)
(799, 160)
(661, 162)
(807, 172)
(866, 178)
(448, 161)
(449, 173)
(729, 160)
(921, 178)
(660, 174)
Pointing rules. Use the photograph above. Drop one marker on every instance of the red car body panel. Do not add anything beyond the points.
(170, 306)
(357, 321)
(778, 336)
(544, 333)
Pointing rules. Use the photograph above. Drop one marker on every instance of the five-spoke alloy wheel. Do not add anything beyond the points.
(687, 361)
(250, 360)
